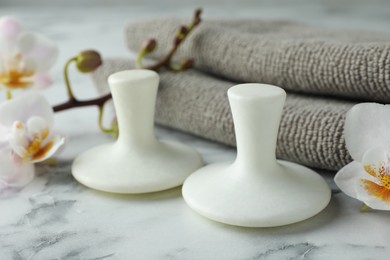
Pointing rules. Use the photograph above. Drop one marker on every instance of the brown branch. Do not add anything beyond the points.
(180, 37)
(73, 103)
(165, 61)
(94, 58)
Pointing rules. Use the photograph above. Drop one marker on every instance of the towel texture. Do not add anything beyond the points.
(294, 56)
(311, 129)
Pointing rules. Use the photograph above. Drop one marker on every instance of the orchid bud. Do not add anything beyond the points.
(182, 32)
(149, 46)
(197, 21)
(198, 12)
(186, 64)
(88, 61)
(197, 18)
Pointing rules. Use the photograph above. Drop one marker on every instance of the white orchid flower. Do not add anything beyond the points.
(26, 137)
(25, 57)
(367, 138)
(13, 172)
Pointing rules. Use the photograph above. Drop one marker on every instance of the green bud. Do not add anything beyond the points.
(88, 61)
(197, 18)
(186, 64)
(198, 12)
(149, 46)
(181, 32)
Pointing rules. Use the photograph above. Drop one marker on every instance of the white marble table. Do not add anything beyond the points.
(57, 218)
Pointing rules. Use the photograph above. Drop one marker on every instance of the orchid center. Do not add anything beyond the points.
(385, 180)
(30, 141)
(381, 188)
(15, 73)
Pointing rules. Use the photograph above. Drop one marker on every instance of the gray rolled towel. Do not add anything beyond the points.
(294, 56)
(311, 129)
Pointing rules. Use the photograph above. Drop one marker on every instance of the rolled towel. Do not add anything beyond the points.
(297, 57)
(311, 128)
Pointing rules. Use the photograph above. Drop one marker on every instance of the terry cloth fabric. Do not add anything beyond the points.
(311, 128)
(294, 56)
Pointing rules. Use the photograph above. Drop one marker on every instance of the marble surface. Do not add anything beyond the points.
(57, 218)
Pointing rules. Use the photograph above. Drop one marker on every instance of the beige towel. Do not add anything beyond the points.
(311, 129)
(294, 56)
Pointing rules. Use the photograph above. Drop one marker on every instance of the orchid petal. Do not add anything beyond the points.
(37, 127)
(50, 149)
(38, 50)
(19, 150)
(18, 139)
(14, 172)
(10, 29)
(366, 127)
(376, 156)
(42, 81)
(4, 135)
(25, 106)
(363, 194)
(348, 176)
(3, 66)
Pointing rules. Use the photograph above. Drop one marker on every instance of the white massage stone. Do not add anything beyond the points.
(256, 190)
(136, 162)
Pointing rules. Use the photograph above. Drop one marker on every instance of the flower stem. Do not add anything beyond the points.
(102, 128)
(165, 62)
(66, 76)
(8, 94)
(73, 102)
(140, 56)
